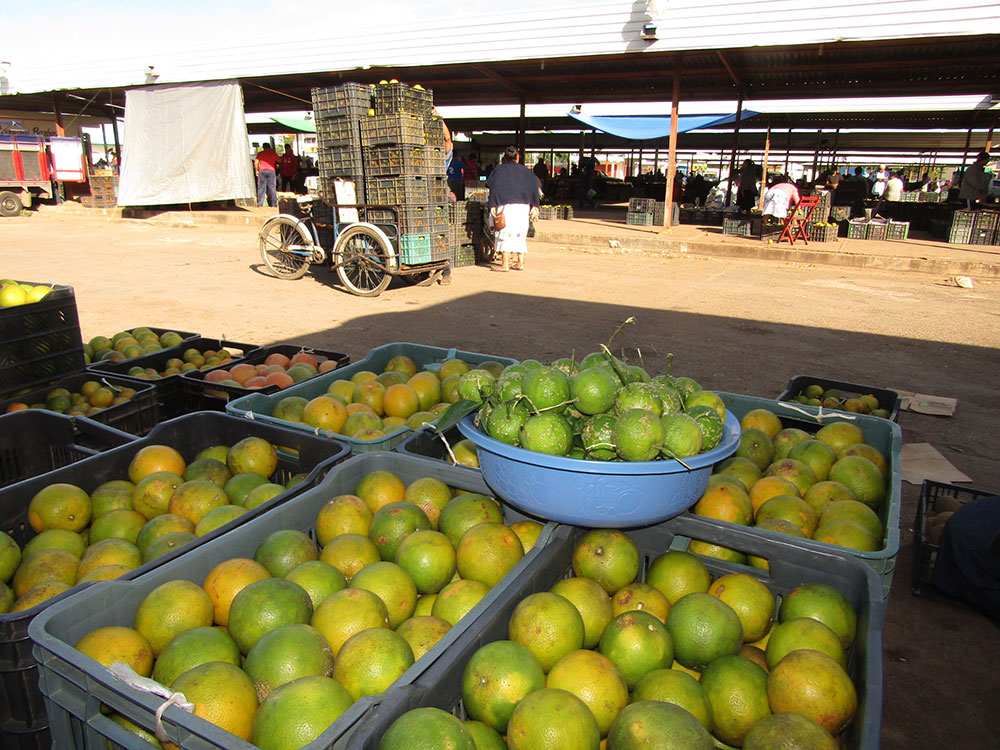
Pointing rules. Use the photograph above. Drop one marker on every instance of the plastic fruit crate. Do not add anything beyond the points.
(887, 399)
(825, 233)
(260, 406)
(396, 129)
(18, 673)
(395, 98)
(345, 100)
(170, 393)
(40, 341)
(406, 189)
(641, 219)
(882, 434)
(340, 161)
(338, 131)
(924, 550)
(427, 443)
(387, 161)
(857, 229)
(437, 188)
(36, 441)
(441, 685)
(76, 687)
(434, 163)
(138, 415)
(198, 395)
(641, 205)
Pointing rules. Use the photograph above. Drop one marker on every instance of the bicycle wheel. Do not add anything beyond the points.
(363, 260)
(285, 247)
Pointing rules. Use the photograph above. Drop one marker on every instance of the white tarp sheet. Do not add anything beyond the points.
(185, 144)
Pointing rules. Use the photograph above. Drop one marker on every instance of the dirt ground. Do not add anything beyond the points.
(745, 326)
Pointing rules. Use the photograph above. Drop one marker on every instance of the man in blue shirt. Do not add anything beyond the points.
(456, 177)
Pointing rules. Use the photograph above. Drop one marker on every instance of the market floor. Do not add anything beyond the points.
(745, 326)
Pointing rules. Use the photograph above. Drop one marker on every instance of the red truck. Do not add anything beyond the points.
(32, 165)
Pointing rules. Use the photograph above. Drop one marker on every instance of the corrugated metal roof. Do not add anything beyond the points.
(567, 31)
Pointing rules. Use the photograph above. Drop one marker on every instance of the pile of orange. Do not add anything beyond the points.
(829, 486)
(370, 405)
(189, 359)
(164, 503)
(129, 344)
(276, 369)
(274, 648)
(693, 662)
(92, 397)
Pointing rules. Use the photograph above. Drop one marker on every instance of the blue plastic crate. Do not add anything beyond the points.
(790, 565)
(260, 406)
(76, 687)
(415, 248)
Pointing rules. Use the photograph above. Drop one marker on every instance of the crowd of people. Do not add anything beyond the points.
(285, 172)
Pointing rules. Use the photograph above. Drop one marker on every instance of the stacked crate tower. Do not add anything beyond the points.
(339, 111)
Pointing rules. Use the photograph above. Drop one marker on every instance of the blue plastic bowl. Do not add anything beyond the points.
(605, 494)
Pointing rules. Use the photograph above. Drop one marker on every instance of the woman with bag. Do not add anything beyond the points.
(513, 206)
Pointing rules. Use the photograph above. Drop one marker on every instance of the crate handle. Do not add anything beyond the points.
(818, 416)
(127, 675)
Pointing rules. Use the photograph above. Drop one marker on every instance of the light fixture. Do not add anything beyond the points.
(150, 75)
(648, 33)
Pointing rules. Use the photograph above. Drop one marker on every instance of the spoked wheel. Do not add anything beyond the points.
(285, 247)
(363, 261)
(486, 246)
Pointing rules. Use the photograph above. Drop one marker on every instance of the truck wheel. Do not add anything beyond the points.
(10, 204)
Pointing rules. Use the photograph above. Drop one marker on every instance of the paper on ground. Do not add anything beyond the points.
(922, 461)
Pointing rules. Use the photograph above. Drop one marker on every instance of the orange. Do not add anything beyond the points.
(737, 689)
(325, 413)
(780, 526)
(840, 435)
(159, 526)
(343, 514)
(727, 479)
(241, 485)
(607, 556)
(496, 678)
(867, 451)
(112, 495)
(117, 524)
(59, 506)
(282, 550)
(400, 400)
(789, 730)
(38, 594)
(45, 566)
(814, 685)
(265, 605)
(194, 499)
(756, 445)
(817, 455)
(371, 394)
(428, 727)
(741, 468)
(594, 679)
(457, 599)
(153, 458)
(676, 573)
(528, 532)
(208, 468)
(298, 712)
(370, 661)
(135, 729)
(105, 573)
(427, 386)
(429, 559)
(392, 377)
(318, 578)
(637, 643)
(703, 628)
(822, 494)
(392, 585)
(821, 602)
(261, 494)
(153, 492)
(641, 597)
(431, 495)
(423, 632)
(172, 608)
(803, 632)
(253, 454)
(767, 487)
(862, 477)
(750, 599)
(392, 523)
(725, 503)
(591, 601)
(349, 553)
(347, 612)
(193, 647)
(109, 552)
(549, 625)
(797, 472)
(487, 552)
(380, 487)
(285, 654)
(787, 439)
(55, 539)
(791, 508)
(166, 544)
(117, 643)
(764, 420)
(552, 718)
(464, 512)
(707, 549)
(852, 510)
(669, 725)
(846, 533)
(222, 694)
(218, 518)
(342, 389)
(453, 367)
(425, 605)
(677, 687)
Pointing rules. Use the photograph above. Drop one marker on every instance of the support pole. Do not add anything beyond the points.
(656, 159)
(819, 140)
(965, 152)
(767, 153)
(668, 198)
(788, 149)
(520, 133)
(60, 130)
(736, 145)
(989, 141)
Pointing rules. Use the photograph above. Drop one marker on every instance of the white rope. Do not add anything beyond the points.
(127, 675)
(447, 447)
(820, 416)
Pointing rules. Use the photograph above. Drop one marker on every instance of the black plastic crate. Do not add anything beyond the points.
(982, 236)
(338, 131)
(642, 219)
(641, 205)
(960, 234)
(434, 132)
(327, 189)
(986, 220)
(441, 685)
(437, 189)
(405, 189)
(397, 129)
(963, 218)
(345, 100)
(434, 161)
(887, 399)
(737, 227)
(389, 161)
(397, 98)
(35, 442)
(822, 232)
(21, 702)
(137, 416)
(924, 550)
(55, 311)
(413, 219)
(170, 394)
(201, 395)
(340, 161)
(185, 336)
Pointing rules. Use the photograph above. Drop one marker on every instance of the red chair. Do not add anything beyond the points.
(795, 223)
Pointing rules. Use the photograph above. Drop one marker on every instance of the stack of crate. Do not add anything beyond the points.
(984, 228)
(103, 191)
(339, 111)
(898, 230)
(962, 223)
(403, 147)
(640, 212)
(464, 232)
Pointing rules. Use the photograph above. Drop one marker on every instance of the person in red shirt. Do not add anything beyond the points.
(266, 166)
(288, 167)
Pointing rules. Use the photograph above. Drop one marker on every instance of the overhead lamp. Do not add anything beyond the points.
(648, 33)
(150, 75)
(577, 109)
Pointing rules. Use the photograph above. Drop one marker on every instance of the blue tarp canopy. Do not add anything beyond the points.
(650, 127)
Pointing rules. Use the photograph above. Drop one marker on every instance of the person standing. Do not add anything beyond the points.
(746, 185)
(514, 204)
(894, 188)
(288, 167)
(587, 166)
(266, 166)
(780, 197)
(541, 170)
(975, 184)
(456, 175)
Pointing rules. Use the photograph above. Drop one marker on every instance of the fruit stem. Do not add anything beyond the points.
(628, 321)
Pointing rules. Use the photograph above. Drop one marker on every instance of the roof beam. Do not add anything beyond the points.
(489, 73)
(729, 69)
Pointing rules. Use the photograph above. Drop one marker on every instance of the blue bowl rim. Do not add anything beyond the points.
(730, 441)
